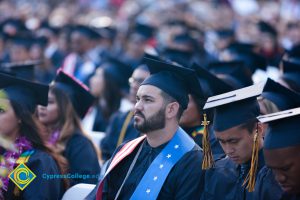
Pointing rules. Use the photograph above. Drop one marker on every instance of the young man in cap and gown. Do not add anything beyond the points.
(165, 162)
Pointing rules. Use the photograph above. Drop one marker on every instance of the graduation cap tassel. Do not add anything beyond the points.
(208, 161)
(251, 176)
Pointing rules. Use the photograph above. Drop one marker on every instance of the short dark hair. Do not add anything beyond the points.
(249, 125)
(168, 99)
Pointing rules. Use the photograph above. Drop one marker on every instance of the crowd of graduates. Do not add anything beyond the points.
(88, 88)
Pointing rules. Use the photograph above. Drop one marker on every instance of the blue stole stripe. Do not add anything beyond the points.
(154, 178)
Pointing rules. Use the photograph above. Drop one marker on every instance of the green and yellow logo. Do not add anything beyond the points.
(22, 176)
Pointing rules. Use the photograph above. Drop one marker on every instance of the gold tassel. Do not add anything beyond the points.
(250, 178)
(208, 161)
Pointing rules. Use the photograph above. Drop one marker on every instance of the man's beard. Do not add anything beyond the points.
(153, 123)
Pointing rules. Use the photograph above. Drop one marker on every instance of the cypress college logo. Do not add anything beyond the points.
(22, 176)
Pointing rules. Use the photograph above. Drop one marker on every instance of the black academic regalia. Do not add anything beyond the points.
(109, 143)
(215, 145)
(40, 163)
(100, 123)
(226, 179)
(290, 197)
(266, 186)
(57, 59)
(185, 180)
(82, 159)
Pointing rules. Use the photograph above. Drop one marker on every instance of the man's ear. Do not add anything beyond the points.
(172, 110)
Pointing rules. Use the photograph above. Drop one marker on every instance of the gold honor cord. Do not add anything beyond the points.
(124, 127)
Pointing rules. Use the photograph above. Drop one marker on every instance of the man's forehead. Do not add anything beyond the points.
(149, 90)
(232, 133)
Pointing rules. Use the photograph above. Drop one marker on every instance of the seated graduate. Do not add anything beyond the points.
(210, 84)
(109, 84)
(18, 100)
(240, 136)
(120, 127)
(283, 98)
(165, 162)
(281, 150)
(290, 76)
(68, 101)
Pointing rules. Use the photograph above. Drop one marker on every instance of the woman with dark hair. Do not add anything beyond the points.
(109, 85)
(18, 100)
(68, 101)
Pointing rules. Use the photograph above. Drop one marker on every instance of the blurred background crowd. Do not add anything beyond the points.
(102, 42)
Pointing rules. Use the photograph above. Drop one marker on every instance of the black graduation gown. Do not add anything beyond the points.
(185, 180)
(109, 143)
(226, 179)
(41, 164)
(215, 145)
(100, 123)
(82, 159)
(266, 186)
(290, 197)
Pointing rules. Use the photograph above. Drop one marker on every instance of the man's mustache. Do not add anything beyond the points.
(138, 113)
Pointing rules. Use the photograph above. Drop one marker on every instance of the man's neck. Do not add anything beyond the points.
(161, 136)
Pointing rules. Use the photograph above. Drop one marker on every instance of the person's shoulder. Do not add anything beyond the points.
(266, 175)
(224, 162)
(128, 143)
(39, 155)
(223, 167)
(191, 159)
(41, 161)
(78, 137)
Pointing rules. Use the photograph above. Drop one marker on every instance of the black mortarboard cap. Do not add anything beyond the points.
(283, 130)
(235, 69)
(290, 66)
(267, 28)
(179, 56)
(88, 31)
(25, 92)
(245, 52)
(145, 30)
(18, 24)
(151, 56)
(118, 71)
(78, 93)
(236, 107)
(210, 82)
(184, 38)
(24, 70)
(23, 40)
(108, 32)
(175, 80)
(41, 41)
(281, 96)
(225, 33)
(294, 52)
(176, 22)
(293, 80)
(48, 26)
